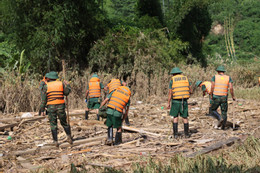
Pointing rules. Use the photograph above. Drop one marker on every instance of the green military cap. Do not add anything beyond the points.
(176, 70)
(198, 83)
(94, 75)
(221, 68)
(52, 75)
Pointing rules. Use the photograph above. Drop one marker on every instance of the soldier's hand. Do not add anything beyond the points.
(169, 106)
(65, 82)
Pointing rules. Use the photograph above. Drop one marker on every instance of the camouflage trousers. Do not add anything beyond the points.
(57, 111)
(222, 102)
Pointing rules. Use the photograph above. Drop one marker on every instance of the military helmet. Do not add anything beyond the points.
(176, 70)
(198, 83)
(94, 75)
(52, 75)
(221, 68)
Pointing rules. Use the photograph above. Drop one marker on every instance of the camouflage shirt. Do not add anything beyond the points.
(66, 91)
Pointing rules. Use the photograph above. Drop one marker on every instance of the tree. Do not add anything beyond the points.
(52, 30)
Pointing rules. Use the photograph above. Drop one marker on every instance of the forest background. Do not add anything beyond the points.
(136, 40)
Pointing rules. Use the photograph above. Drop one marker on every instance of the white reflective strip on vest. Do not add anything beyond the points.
(118, 99)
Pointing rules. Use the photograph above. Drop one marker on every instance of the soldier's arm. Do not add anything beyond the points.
(66, 88)
(43, 98)
(169, 98)
(212, 88)
(103, 103)
(232, 91)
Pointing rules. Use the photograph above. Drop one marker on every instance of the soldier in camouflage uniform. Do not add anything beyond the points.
(221, 83)
(53, 95)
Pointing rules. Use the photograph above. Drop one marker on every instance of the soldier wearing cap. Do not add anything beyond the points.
(219, 93)
(179, 93)
(53, 95)
(117, 110)
(93, 94)
(206, 89)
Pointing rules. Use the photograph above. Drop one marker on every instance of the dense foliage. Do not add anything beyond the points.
(91, 33)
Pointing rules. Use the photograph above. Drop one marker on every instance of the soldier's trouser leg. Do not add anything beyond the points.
(63, 121)
(54, 130)
(224, 109)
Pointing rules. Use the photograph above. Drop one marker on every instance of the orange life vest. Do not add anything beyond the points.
(94, 87)
(180, 87)
(221, 85)
(55, 93)
(119, 98)
(208, 86)
(113, 84)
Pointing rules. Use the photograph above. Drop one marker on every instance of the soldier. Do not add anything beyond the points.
(42, 83)
(94, 94)
(179, 93)
(117, 110)
(111, 86)
(206, 89)
(219, 93)
(53, 95)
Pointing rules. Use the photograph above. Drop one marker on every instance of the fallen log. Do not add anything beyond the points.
(141, 131)
(213, 147)
(64, 145)
(23, 121)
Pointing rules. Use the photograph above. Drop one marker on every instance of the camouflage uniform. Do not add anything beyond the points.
(55, 111)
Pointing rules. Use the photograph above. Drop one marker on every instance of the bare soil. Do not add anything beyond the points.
(154, 139)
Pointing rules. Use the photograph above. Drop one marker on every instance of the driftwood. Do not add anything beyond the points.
(64, 145)
(213, 147)
(23, 121)
(132, 129)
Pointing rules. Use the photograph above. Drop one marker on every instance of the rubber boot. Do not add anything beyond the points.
(186, 130)
(118, 139)
(55, 137)
(223, 125)
(86, 115)
(175, 130)
(109, 136)
(127, 121)
(98, 118)
(68, 132)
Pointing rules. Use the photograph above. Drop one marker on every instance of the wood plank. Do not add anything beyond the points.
(63, 145)
(132, 129)
(24, 121)
(213, 147)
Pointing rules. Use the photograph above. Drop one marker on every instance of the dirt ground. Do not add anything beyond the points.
(26, 147)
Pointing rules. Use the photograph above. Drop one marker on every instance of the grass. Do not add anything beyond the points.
(22, 94)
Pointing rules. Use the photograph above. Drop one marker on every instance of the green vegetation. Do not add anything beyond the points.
(52, 31)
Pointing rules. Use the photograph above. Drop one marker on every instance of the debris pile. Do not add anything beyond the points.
(25, 140)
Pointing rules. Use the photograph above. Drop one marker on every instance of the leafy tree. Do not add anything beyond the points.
(190, 21)
(151, 8)
(52, 30)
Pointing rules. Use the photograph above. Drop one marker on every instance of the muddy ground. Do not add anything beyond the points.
(26, 146)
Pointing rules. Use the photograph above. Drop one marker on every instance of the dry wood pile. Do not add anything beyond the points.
(25, 143)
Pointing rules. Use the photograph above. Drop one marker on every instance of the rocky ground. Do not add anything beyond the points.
(26, 146)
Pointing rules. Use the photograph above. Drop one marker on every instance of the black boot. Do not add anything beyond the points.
(175, 130)
(223, 125)
(127, 121)
(98, 117)
(55, 137)
(68, 132)
(86, 115)
(109, 136)
(186, 130)
(118, 139)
